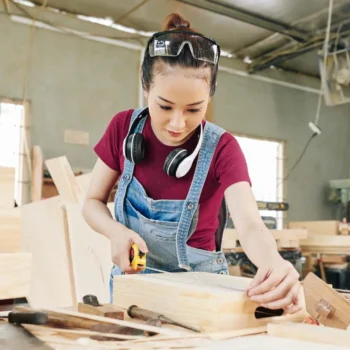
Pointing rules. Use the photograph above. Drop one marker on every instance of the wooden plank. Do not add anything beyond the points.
(84, 182)
(326, 241)
(325, 304)
(37, 174)
(333, 259)
(64, 179)
(10, 231)
(323, 227)
(7, 187)
(287, 235)
(136, 325)
(211, 302)
(15, 275)
(91, 257)
(307, 332)
(325, 250)
(44, 235)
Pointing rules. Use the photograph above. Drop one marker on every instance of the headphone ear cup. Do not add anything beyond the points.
(173, 161)
(135, 148)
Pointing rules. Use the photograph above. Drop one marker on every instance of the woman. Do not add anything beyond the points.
(177, 172)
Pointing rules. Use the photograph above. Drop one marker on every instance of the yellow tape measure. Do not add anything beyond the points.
(137, 258)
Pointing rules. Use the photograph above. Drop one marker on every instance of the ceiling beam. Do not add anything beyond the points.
(248, 17)
(275, 58)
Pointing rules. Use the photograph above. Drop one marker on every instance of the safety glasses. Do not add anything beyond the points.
(170, 44)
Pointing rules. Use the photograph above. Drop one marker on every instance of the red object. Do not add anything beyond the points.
(228, 167)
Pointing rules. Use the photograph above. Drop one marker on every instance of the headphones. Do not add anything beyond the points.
(178, 162)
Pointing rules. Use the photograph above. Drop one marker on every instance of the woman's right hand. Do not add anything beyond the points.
(121, 243)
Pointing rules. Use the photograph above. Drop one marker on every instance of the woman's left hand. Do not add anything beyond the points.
(276, 286)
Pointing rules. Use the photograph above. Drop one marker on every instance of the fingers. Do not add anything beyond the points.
(290, 302)
(273, 280)
(258, 278)
(141, 243)
(276, 293)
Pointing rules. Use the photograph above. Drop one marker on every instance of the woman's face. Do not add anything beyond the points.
(177, 102)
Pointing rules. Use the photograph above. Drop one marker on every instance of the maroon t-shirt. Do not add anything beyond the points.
(228, 167)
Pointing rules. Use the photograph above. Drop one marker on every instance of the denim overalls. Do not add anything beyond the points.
(166, 225)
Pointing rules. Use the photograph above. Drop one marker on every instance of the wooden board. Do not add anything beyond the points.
(64, 179)
(327, 241)
(15, 275)
(7, 187)
(10, 231)
(320, 298)
(324, 227)
(83, 182)
(44, 235)
(91, 257)
(37, 174)
(286, 236)
(300, 331)
(211, 302)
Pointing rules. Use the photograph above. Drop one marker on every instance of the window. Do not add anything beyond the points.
(11, 115)
(265, 165)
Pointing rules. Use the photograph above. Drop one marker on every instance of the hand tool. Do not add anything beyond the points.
(61, 320)
(138, 259)
(26, 317)
(147, 315)
(91, 305)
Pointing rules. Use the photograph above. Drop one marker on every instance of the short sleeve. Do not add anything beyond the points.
(230, 166)
(109, 146)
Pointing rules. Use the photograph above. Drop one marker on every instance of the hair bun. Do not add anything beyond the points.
(175, 21)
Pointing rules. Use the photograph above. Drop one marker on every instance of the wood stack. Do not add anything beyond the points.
(70, 260)
(325, 245)
(15, 266)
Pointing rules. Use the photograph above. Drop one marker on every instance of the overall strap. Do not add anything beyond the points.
(211, 137)
(127, 174)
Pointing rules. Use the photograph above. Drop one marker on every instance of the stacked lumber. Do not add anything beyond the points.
(323, 237)
(285, 238)
(15, 266)
(70, 260)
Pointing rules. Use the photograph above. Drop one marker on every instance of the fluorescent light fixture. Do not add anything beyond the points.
(247, 59)
(24, 3)
(64, 30)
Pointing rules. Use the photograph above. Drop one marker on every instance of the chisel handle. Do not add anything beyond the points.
(142, 314)
(30, 317)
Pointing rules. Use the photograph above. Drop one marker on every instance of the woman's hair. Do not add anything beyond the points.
(152, 65)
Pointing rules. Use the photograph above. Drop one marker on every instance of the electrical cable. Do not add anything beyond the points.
(318, 110)
(299, 159)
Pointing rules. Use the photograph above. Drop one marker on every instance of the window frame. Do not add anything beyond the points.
(24, 159)
(282, 192)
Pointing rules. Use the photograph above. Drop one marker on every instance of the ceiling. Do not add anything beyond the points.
(285, 34)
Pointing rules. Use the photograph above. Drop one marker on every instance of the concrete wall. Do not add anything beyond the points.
(247, 106)
(73, 84)
(79, 84)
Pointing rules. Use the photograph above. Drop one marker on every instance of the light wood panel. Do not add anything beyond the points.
(44, 235)
(15, 275)
(37, 174)
(65, 181)
(7, 188)
(91, 257)
(287, 237)
(323, 227)
(10, 231)
(303, 331)
(211, 302)
(83, 182)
